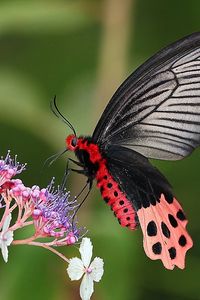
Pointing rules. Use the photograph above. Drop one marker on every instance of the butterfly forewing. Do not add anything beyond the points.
(156, 111)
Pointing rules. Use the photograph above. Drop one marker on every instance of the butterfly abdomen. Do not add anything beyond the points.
(95, 167)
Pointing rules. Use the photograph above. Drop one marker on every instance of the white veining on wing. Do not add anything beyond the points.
(166, 112)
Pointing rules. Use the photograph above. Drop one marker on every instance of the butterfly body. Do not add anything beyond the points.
(155, 113)
(94, 165)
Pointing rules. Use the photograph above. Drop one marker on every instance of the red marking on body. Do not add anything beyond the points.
(92, 149)
(177, 237)
(109, 188)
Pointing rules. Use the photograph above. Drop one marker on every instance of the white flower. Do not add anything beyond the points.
(6, 237)
(92, 272)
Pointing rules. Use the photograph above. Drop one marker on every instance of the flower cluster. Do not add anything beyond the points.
(51, 213)
(48, 210)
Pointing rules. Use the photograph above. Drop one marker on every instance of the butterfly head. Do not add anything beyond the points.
(72, 142)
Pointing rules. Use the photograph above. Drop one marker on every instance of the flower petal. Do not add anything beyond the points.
(8, 237)
(86, 287)
(6, 223)
(75, 269)
(4, 251)
(86, 251)
(97, 269)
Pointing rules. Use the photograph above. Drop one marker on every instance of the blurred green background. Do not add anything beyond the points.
(81, 51)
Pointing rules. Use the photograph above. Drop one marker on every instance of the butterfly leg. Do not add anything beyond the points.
(79, 171)
(76, 162)
(66, 173)
(88, 183)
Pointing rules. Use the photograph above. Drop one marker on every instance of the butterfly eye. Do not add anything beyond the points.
(71, 142)
(74, 142)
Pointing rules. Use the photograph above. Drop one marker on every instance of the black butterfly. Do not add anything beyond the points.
(155, 113)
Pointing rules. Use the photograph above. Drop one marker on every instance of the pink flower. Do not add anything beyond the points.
(48, 210)
(9, 168)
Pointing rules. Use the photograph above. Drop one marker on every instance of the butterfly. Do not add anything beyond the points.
(155, 113)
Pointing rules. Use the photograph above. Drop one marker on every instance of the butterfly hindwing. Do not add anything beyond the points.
(165, 236)
(161, 217)
(156, 111)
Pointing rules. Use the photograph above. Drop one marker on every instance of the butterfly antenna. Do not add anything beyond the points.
(59, 115)
(50, 160)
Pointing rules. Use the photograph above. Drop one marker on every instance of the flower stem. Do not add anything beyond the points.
(30, 241)
(12, 207)
(51, 249)
(24, 241)
(20, 224)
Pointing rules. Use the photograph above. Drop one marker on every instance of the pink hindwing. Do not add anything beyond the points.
(164, 233)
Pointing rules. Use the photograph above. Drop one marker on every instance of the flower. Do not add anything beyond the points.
(91, 271)
(6, 237)
(9, 167)
(53, 213)
(49, 211)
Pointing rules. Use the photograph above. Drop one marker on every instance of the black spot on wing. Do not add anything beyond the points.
(182, 241)
(152, 229)
(169, 198)
(152, 200)
(180, 215)
(172, 252)
(157, 248)
(165, 230)
(145, 202)
(172, 221)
